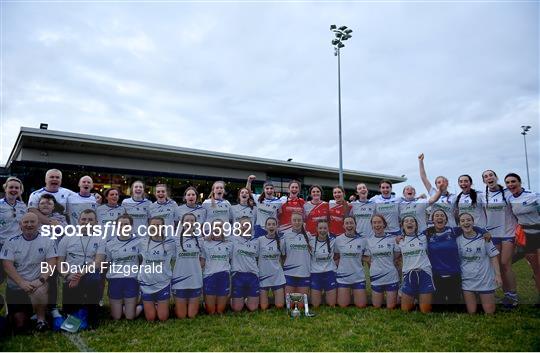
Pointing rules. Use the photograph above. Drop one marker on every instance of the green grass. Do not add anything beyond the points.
(334, 329)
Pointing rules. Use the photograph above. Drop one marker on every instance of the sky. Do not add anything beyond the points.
(454, 80)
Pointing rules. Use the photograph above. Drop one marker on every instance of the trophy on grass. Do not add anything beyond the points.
(292, 301)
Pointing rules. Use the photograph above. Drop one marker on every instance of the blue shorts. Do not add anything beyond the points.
(158, 296)
(324, 281)
(217, 284)
(273, 288)
(187, 293)
(417, 282)
(353, 286)
(245, 284)
(120, 288)
(293, 281)
(392, 287)
(499, 241)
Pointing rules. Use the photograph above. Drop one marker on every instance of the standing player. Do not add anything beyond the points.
(245, 206)
(216, 255)
(479, 267)
(382, 254)
(110, 210)
(271, 274)
(339, 209)
(191, 206)
(363, 209)
(78, 202)
(187, 279)
(53, 180)
(155, 284)
(349, 250)
(417, 277)
(138, 207)
(216, 206)
(164, 207)
(296, 249)
(244, 268)
(387, 205)
(27, 287)
(446, 201)
(268, 205)
(123, 254)
(323, 267)
(415, 207)
(470, 201)
(12, 210)
(501, 223)
(293, 204)
(525, 206)
(315, 210)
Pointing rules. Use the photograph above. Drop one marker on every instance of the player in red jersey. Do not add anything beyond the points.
(339, 209)
(294, 204)
(315, 210)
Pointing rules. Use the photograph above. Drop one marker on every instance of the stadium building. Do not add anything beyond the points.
(115, 162)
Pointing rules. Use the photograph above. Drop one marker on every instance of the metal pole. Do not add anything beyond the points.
(526, 159)
(339, 108)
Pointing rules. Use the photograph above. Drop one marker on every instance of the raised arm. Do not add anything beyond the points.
(249, 180)
(423, 174)
(436, 195)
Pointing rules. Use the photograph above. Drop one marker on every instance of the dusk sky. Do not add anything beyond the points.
(454, 80)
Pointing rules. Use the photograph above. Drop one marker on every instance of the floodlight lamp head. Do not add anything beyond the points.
(348, 31)
(332, 27)
(342, 28)
(340, 45)
(335, 41)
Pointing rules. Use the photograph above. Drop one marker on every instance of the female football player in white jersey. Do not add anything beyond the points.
(110, 210)
(122, 253)
(417, 275)
(245, 206)
(387, 205)
(164, 207)
(12, 209)
(315, 210)
(479, 266)
(138, 207)
(446, 201)
(216, 206)
(296, 249)
(187, 279)
(157, 251)
(410, 205)
(501, 223)
(362, 209)
(268, 205)
(382, 254)
(271, 275)
(339, 208)
(216, 257)
(349, 251)
(244, 268)
(525, 206)
(191, 206)
(323, 266)
(470, 201)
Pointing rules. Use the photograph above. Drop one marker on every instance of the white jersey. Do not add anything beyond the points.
(297, 255)
(123, 255)
(238, 211)
(166, 210)
(477, 273)
(140, 212)
(414, 252)
(27, 255)
(525, 207)
(266, 209)
(245, 253)
(445, 203)
(61, 196)
(10, 216)
(221, 209)
(478, 212)
(76, 204)
(198, 211)
(381, 250)
(415, 208)
(322, 260)
(81, 250)
(350, 269)
(156, 253)
(389, 208)
(362, 211)
(106, 213)
(501, 222)
(187, 272)
(270, 270)
(217, 255)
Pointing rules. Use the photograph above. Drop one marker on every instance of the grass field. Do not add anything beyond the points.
(334, 329)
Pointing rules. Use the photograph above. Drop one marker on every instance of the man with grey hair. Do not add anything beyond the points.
(53, 182)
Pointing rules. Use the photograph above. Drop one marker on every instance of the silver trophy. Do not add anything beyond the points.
(292, 301)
